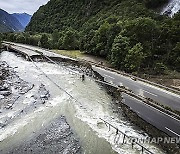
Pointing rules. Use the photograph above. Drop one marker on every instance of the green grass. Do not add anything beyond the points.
(70, 53)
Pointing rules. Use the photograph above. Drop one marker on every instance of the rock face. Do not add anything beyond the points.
(57, 138)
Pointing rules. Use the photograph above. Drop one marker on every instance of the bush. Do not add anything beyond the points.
(160, 68)
(44, 41)
(155, 3)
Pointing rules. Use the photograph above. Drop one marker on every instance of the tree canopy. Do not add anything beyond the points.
(128, 33)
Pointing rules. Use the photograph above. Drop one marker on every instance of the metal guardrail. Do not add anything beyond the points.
(143, 149)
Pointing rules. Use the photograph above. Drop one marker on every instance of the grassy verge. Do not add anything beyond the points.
(70, 53)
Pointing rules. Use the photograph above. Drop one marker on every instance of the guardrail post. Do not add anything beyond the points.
(123, 138)
(142, 150)
(117, 131)
(132, 144)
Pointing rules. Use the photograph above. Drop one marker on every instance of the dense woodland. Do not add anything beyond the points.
(128, 33)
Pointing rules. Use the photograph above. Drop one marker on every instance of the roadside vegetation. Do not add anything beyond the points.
(127, 33)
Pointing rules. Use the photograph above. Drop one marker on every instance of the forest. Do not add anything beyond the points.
(130, 34)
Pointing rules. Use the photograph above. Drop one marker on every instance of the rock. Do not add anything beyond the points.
(43, 96)
(1, 97)
(2, 125)
(4, 87)
(5, 93)
(22, 92)
(9, 106)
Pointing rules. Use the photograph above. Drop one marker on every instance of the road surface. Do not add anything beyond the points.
(159, 95)
(160, 120)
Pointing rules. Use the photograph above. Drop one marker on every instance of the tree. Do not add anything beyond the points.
(34, 39)
(147, 32)
(27, 36)
(70, 39)
(44, 41)
(159, 68)
(11, 37)
(87, 42)
(174, 57)
(134, 58)
(55, 39)
(154, 3)
(119, 50)
(99, 42)
(21, 39)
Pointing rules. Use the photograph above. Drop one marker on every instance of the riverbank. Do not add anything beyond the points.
(11, 86)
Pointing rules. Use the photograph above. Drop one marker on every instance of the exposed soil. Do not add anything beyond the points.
(172, 83)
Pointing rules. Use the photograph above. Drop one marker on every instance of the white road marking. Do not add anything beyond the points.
(153, 107)
(109, 76)
(149, 93)
(160, 89)
(172, 132)
(140, 82)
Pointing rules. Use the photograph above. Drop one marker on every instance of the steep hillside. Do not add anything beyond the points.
(4, 28)
(23, 18)
(59, 14)
(9, 23)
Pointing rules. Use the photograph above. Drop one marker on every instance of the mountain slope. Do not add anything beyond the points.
(59, 14)
(23, 18)
(129, 33)
(9, 23)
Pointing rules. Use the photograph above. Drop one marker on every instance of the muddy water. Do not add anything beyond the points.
(83, 116)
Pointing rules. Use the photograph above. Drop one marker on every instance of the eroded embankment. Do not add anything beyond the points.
(132, 116)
